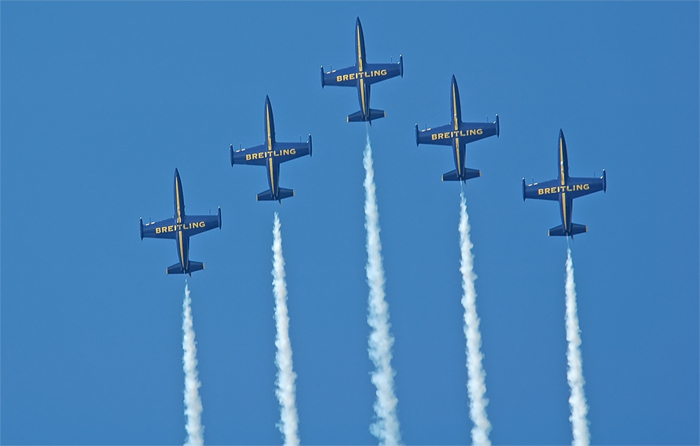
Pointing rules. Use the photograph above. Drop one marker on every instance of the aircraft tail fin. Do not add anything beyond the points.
(575, 229)
(177, 268)
(283, 193)
(467, 174)
(373, 114)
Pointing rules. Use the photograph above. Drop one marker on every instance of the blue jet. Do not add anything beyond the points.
(180, 228)
(362, 75)
(564, 189)
(271, 154)
(457, 134)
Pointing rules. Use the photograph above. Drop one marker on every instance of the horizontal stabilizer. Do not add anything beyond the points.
(467, 174)
(195, 266)
(265, 196)
(575, 229)
(376, 114)
(283, 193)
(177, 268)
(373, 114)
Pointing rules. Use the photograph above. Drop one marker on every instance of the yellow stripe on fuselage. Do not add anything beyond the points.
(454, 106)
(362, 95)
(454, 111)
(177, 198)
(272, 178)
(269, 131)
(359, 49)
(459, 161)
(361, 69)
(563, 208)
(182, 251)
(561, 162)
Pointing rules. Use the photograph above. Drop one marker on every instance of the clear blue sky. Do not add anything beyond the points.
(101, 101)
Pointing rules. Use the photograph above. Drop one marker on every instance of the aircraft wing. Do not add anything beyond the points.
(547, 190)
(248, 156)
(196, 224)
(377, 72)
(160, 229)
(287, 151)
(345, 77)
(585, 186)
(434, 135)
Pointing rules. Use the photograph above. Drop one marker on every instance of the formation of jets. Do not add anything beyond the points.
(362, 75)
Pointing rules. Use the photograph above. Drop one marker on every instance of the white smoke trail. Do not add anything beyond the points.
(193, 403)
(286, 392)
(386, 427)
(574, 374)
(476, 376)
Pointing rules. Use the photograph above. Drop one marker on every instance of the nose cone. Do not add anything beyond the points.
(358, 31)
(562, 141)
(453, 84)
(177, 174)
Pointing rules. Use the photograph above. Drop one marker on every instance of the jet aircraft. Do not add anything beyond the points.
(180, 228)
(271, 154)
(362, 75)
(564, 189)
(457, 134)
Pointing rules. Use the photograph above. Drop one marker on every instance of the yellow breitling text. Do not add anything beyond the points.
(360, 75)
(179, 227)
(558, 189)
(457, 133)
(270, 154)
